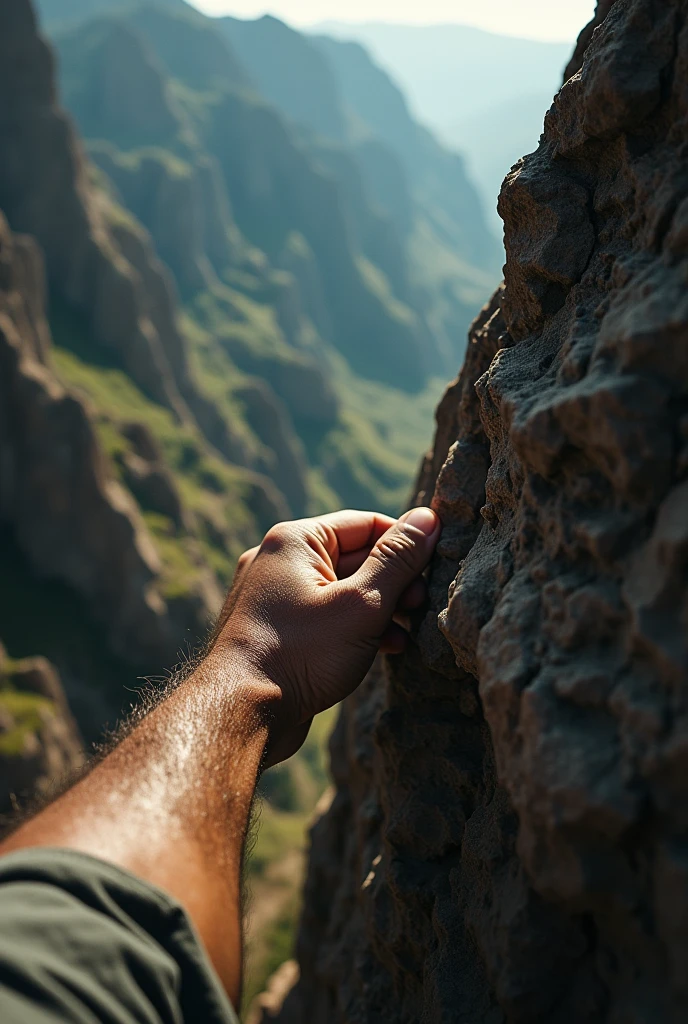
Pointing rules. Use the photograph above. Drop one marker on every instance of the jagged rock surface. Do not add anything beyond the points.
(509, 837)
(43, 192)
(71, 518)
(602, 9)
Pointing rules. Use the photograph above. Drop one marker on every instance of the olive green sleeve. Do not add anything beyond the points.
(83, 941)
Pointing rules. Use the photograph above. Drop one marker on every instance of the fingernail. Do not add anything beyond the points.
(424, 519)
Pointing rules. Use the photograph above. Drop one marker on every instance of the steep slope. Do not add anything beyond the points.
(436, 177)
(72, 520)
(438, 66)
(250, 145)
(336, 93)
(62, 514)
(290, 73)
(475, 89)
(508, 840)
(67, 13)
(99, 264)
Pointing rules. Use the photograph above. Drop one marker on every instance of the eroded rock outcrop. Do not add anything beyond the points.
(509, 837)
(44, 193)
(71, 518)
(39, 739)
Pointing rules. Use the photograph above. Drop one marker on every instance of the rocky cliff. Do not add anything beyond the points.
(508, 841)
(39, 739)
(68, 514)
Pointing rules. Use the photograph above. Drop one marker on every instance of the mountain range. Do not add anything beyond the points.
(482, 93)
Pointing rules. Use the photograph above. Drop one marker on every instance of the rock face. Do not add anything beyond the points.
(509, 837)
(70, 517)
(602, 9)
(43, 192)
(39, 740)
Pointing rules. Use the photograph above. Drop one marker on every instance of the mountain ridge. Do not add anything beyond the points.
(458, 77)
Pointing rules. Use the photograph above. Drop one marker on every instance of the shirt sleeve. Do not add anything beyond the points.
(84, 942)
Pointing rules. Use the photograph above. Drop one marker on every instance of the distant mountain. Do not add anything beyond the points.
(290, 73)
(496, 138)
(64, 13)
(322, 286)
(356, 122)
(439, 184)
(450, 72)
(484, 94)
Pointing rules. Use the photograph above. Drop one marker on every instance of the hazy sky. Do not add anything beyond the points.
(535, 19)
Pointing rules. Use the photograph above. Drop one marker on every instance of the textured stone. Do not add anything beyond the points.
(34, 757)
(508, 841)
(71, 518)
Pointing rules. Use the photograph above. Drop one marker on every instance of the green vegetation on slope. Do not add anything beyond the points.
(26, 712)
(216, 493)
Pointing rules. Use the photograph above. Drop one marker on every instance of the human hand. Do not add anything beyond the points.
(312, 606)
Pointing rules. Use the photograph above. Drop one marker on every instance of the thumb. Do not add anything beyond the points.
(397, 559)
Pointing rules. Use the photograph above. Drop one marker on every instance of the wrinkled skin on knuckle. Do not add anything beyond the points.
(359, 606)
(396, 548)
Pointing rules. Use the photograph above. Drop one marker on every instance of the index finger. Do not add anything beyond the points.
(354, 529)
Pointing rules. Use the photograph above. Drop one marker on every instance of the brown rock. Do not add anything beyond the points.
(509, 837)
(43, 193)
(39, 741)
(602, 9)
(272, 1003)
(69, 515)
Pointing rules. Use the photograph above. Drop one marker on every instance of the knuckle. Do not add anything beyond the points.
(277, 537)
(396, 549)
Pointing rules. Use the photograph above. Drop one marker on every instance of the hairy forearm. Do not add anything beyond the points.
(308, 613)
(171, 802)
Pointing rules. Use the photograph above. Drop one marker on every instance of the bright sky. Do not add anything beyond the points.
(559, 20)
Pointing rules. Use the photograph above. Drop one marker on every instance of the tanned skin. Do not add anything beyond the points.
(309, 610)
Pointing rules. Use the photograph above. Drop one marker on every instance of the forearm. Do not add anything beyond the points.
(308, 613)
(171, 802)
